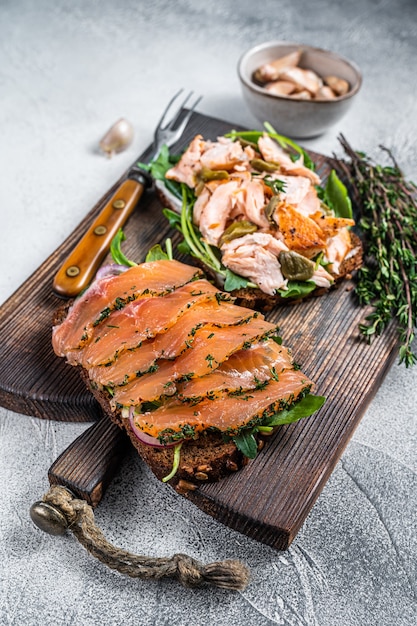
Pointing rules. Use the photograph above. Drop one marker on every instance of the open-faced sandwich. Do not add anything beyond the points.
(254, 213)
(193, 378)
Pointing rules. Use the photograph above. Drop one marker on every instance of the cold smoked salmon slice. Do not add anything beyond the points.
(245, 369)
(142, 319)
(227, 414)
(170, 344)
(210, 348)
(114, 292)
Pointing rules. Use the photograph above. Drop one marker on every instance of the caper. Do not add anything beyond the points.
(264, 166)
(244, 143)
(199, 188)
(294, 266)
(207, 174)
(237, 229)
(270, 208)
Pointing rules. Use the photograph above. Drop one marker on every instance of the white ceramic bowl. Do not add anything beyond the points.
(288, 115)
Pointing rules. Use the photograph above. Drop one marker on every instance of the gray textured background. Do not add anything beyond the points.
(68, 70)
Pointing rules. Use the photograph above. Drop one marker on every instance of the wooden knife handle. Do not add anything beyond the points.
(81, 265)
(88, 465)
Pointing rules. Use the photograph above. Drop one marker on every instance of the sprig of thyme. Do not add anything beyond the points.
(388, 280)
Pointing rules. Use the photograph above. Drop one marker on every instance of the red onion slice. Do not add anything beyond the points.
(144, 437)
(111, 269)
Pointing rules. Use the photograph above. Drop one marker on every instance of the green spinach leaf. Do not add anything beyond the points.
(297, 289)
(173, 218)
(337, 197)
(233, 281)
(159, 166)
(246, 443)
(304, 408)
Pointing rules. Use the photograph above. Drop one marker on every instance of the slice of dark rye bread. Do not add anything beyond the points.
(256, 298)
(207, 458)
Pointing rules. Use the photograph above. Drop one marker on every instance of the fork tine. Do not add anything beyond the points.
(161, 120)
(167, 134)
(177, 114)
(189, 113)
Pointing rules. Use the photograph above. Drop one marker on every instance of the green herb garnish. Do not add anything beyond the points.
(245, 440)
(276, 185)
(175, 464)
(116, 250)
(388, 281)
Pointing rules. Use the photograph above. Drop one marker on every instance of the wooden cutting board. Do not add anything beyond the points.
(271, 497)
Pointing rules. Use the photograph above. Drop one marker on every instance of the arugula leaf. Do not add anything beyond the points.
(285, 142)
(304, 408)
(183, 247)
(253, 135)
(233, 281)
(116, 250)
(156, 254)
(337, 197)
(246, 443)
(297, 289)
(159, 166)
(173, 187)
(173, 218)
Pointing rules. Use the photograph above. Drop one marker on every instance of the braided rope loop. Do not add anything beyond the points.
(229, 574)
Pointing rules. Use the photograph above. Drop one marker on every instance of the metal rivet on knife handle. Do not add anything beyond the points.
(91, 250)
(73, 270)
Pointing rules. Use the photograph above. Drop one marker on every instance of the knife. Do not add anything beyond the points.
(81, 265)
(83, 262)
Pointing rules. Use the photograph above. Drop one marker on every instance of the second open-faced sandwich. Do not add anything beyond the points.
(256, 215)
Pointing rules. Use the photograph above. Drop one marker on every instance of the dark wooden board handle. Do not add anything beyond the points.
(88, 465)
(83, 262)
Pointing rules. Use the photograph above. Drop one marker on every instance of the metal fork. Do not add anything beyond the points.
(172, 131)
(81, 265)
